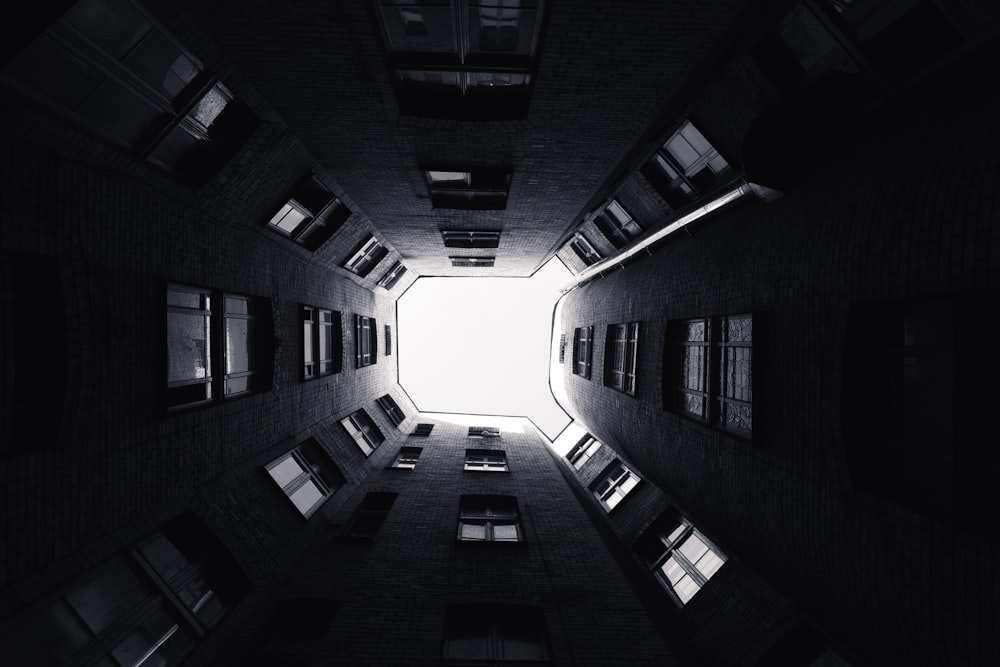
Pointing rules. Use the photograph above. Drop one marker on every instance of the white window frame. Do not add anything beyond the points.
(583, 451)
(486, 460)
(615, 485)
(683, 567)
(366, 435)
(309, 472)
(489, 512)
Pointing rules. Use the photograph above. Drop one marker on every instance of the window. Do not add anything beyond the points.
(371, 514)
(617, 225)
(407, 458)
(311, 215)
(365, 341)
(620, 355)
(293, 634)
(479, 189)
(392, 276)
(465, 60)
(486, 460)
(307, 475)
(366, 257)
(391, 409)
(215, 345)
(584, 249)
(490, 634)
(364, 431)
(681, 558)
(472, 261)
(582, 451)
(562, 348)
(687, 168)
(388, 340)
(110, 67)
(470, 239)
(489, 519)
(711, 375)
(322, 345)
(423, 430)
(155, 602)
(614, 485)
(484, 432)
(583, 338)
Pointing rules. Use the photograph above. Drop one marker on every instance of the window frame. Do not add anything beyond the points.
(584, 249)
(471, 238)
(486, 460)
(314, 366)
(473, 262)
(619, 230)
(583, 351)
(620, 357)
(365, 341)
(480, 189)
(676, 183)
(610, 484)
(489, 512)
(667, 539)
(391, 409)
(718, 356)
(363, 429)
(366, 257)
(392, 276)
(484, 431)
(323, 214)
(315, 466)
(422, 430)
(406, 458)
(583, 451)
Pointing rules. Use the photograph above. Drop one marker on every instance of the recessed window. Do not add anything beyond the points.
(489, 519)
(388, 340)
(392, 409)
(687, 167)
(484, 432)
(407, 458)
(562, 348)
(111, 68)
(617, 225)
(582, 451)
(366, 257)
(310, 216)
(392, 276)
(584, 249)
(216, 346)
(681, 558)
(371, 514)
(364, 431)
(614, 485)
(583, 338)
(472, 261)
(151, 605)
(322, 347)
(484, 188)
(489, 634)
(307, 476)
(460, 238)
(365, 341)
(423, 430)
(464, 60)
(711, 370)
(620, 356)
(486, 460)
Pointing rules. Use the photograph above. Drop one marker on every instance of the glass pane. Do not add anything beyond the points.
(307, 340)
(686, 588)
(467, 639)
(287, 219)
(286, 471)
(177, 148)
(198, 596)
(696, 139)
(505, 532)
(307, 496)
(709, 564)
(672, 569)
(158, 642)
(185, 299)
(187, 346)
(694, 404)
(695, 331)
(161, 65)
(114, 25)
(472, 531)
(326, 343)
(210, 106)
(739, 329)
(118, 113)
(238, 342)
(163, 556)
(501, 27)
(237, 305)
(237, 385)
(106, 598)
(682, 151)
(676, 533)
(693, 548)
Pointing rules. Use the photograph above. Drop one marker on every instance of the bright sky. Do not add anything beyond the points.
(482, 345)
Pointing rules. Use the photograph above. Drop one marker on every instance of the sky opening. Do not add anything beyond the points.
(482, 345)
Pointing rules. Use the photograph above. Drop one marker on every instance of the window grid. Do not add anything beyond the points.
(365, 341)
(364, 431)
(713, 375)
(486, 460)
(684, 560)
(478, 189)
(617, 225)
(306, 475)
(320, 342)
(489, 519)
(311, 215)
(388, 340)
(407, 458)
(484, 432)
(623, 345)
(562, 348)
(583, 338)
(584, 249)
(423, 430)
(392, 276)
(461, 238)
(613, 487)
(392, 409)
(686, 167)
(366, 257)
(583, 451)
(472, 261)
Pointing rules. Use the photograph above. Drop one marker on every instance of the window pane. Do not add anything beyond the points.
(449, 177)
(499, 27)
(672, 569)
(210, 106)
(520, 641)
(307, 496)
(286, 471)
(161, 65)
(467, 639)
(187, 346)
(102, 600)
(238, 342)
(307, 341)
(682, 151)
(693, 548)
(686, 588)
(472, 531)
(157, 642)
(325, 343)
(288, 219)
(709, 563)
(505, 532)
